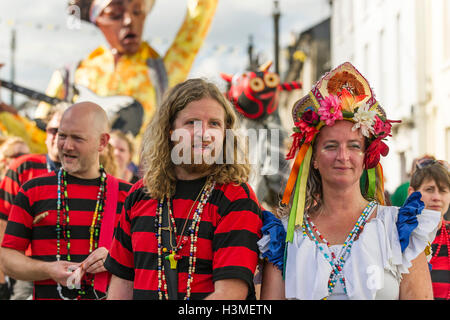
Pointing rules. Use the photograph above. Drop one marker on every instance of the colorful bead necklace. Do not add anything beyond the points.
(337, 262)
(444, 237)
(63, 219)
(172, 255)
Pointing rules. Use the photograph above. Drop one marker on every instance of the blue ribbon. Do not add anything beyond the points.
(407, 218)
(273, 227)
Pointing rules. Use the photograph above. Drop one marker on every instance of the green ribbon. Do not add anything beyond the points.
(372, 183)
(293, 213)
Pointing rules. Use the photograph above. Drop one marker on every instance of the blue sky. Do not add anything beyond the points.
(45, 43)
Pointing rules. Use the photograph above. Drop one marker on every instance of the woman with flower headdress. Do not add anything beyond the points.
(336, 239)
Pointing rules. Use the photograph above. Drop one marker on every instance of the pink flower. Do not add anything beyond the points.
(378, 127)
(383, 129)
(330, 110)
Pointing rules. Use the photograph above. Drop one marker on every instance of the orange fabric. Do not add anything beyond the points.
(294, 173)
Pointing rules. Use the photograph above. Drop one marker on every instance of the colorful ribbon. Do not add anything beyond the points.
(298, 205)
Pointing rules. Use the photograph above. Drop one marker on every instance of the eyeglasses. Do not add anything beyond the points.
(423, 163)
(52, 131)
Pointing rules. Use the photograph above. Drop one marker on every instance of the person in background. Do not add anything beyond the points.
(401, 193)
(108, 160)
(123, 153)
(11, 148)
(21, 170)
(432, 179)
(67, 217)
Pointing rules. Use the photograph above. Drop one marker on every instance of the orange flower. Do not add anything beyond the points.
(349, 102)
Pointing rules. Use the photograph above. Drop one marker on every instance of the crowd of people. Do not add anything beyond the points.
(105, 215)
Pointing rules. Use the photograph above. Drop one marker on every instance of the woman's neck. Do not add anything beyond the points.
(342, 201)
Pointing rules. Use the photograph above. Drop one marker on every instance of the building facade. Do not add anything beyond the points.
(402, 48)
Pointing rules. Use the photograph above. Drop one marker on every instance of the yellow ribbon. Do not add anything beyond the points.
(302, 191)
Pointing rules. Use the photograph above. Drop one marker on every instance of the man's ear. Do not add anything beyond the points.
(104, 140)
(410, 190)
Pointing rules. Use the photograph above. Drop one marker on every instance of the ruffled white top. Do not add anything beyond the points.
(374, 267)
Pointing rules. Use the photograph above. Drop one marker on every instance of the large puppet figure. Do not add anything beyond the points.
(255, 95)
(130, 66)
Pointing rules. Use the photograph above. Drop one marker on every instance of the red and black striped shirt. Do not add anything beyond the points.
(226, 247)
(20, 171)
(440, 273)
(40, 195)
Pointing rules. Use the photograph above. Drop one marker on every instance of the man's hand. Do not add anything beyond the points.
(60, 271)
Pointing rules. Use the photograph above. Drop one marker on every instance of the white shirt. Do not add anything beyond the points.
(374, 268)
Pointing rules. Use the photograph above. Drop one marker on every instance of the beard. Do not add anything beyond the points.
(202, 168)
(199, 164)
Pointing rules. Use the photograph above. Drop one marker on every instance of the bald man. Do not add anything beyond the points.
(67, 216)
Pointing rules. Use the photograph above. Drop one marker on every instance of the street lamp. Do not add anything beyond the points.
(276, 18)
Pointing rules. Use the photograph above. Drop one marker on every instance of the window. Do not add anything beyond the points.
(446, 33)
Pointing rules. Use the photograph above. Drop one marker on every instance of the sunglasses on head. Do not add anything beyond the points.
(423, 163)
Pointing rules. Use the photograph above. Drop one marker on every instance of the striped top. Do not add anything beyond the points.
(40, 195)
(20, 171)
(440, 273)
(226, 247)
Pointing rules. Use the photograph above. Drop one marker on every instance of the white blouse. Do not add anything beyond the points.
(373, 269)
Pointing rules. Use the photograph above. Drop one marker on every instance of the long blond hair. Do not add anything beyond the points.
(159, 175)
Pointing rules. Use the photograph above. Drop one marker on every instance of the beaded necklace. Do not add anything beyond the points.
(337, 262)
(172, 256)
(63, 220)
(444, 237)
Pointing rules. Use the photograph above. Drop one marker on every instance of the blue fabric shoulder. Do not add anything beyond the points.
(273, 228)
(407, 218)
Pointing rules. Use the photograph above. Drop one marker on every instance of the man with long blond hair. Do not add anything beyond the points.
(189, 228)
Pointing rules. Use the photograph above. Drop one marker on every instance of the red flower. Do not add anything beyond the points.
(372, 155)
(310, 117)
(304, 134)
(296, 143)
(307, 131)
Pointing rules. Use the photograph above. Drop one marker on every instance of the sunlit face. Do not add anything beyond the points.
(52, 133)
(200, 127)
(433, 197)
(17, 149)
(79, 146)
(122, 24)
(121, 151)
(339, 154)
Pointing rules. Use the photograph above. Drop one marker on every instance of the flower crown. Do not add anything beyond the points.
(314, 111)
(341, 94)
